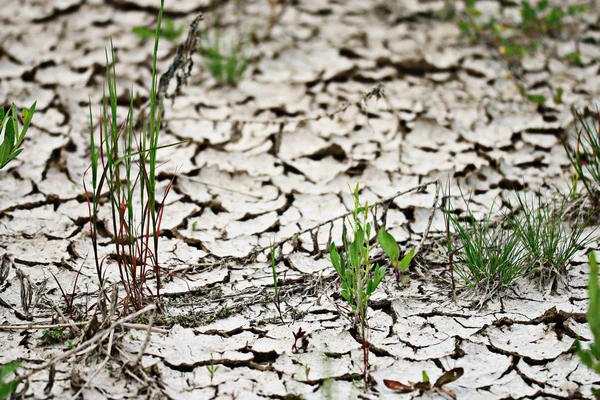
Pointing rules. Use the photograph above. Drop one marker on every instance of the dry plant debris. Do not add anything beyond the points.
(384, 94)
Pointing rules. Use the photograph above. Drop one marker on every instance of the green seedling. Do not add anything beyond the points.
(558, 95)
(124, 167)
(168, 32)
(226, 65)
(275, 297)
(585, 159)
(591, 357)
(360, 277)
(534, 98)
(53, 335)
(223, 312)
(212, 369)
(8, 383)
(549, 243)
(425, 384)
(9, 125)
(486, 257)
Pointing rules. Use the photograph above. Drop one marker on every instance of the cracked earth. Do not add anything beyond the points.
(251, 173)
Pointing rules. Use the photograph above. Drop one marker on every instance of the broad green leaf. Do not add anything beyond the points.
(403, 265)
(8, 143)
(388, 245)
(335, 260)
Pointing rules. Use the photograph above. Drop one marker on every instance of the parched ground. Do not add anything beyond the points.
(263, 163)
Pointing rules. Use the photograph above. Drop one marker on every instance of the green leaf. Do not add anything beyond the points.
(143, 32)
(8, 388)
(388, 245)
(26, 124)
(6, 148)
(425, 377)
(403, 265)
(335, 260)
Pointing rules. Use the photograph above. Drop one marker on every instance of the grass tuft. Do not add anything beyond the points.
(124, 166)
(550, 244)
(585, 158)
(486, 256)
(227, 64)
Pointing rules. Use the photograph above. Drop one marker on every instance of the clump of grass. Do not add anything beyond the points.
(360, 277)
(591, 357)
(226, 63)
(168, 32)
(484, 255)
(550, 245)
(9, 125)
(585, 158)
(123, 168)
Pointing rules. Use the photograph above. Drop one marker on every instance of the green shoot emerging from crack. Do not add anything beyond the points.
(212, 369)
(275, 298)
(591, 357)
(360, 278)
(168, 32)
(9, 149)
(226, 65)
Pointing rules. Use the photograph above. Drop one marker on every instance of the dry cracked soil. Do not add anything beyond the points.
(263, 162)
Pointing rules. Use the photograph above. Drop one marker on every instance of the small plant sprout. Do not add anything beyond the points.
(212, 369)
(390, 247)
(591, 357)
(168, 32)
(360, 278)
(549, 243)
(585, 158)
(8, 381)
(225, 64)
(486, 257)
(9, 127)
(275, 297)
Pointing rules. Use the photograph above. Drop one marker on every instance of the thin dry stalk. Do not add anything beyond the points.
(100, 367)
(296, 236)
(98, 337)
